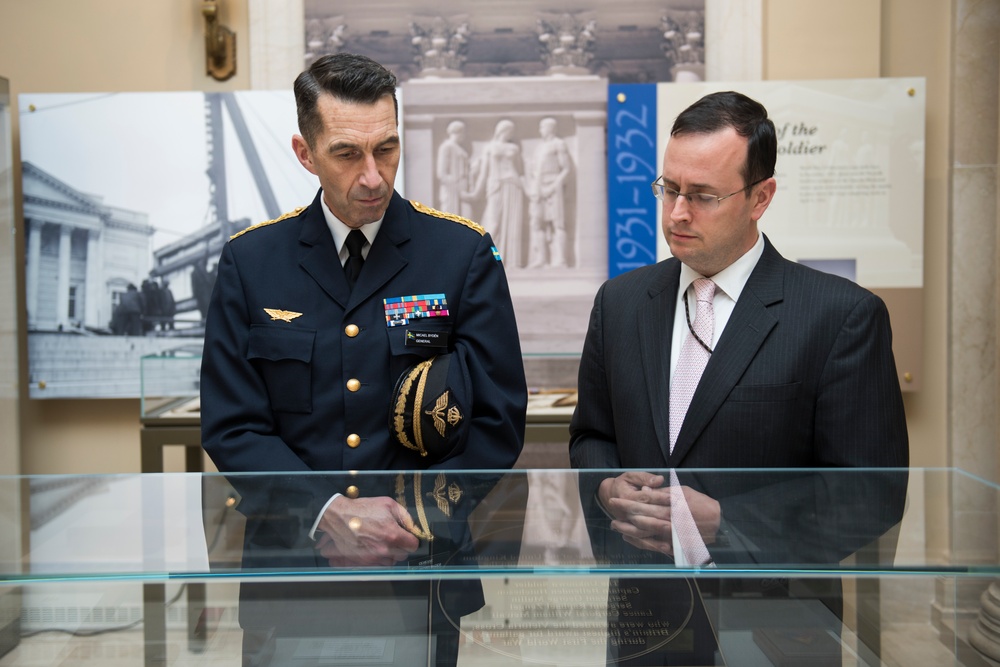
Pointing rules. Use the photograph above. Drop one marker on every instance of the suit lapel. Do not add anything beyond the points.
(655, 321)
(748, 327)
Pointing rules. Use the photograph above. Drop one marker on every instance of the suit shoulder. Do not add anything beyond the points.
(287, 216)
(639, 276)
(819, 286)
(809, 275)
(434, 213)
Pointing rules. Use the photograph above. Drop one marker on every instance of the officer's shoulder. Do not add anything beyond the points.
(434, 213)
(267, 223)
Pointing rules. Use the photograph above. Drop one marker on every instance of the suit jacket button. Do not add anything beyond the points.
(351, 330)
(352, 492)
(353, 384)
(353, 440)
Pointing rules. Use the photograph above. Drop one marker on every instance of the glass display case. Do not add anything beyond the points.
(170, 408)
(814, 567)
(170, 383)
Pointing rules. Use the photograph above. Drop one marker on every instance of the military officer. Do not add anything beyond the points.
(318, 315)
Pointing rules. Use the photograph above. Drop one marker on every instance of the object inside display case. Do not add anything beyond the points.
(170, 386)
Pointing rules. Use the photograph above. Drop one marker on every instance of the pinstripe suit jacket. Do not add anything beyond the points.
(803, 376)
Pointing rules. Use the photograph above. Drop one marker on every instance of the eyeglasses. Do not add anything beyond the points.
(699, 201)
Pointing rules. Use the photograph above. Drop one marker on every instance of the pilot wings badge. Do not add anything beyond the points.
(283, 315)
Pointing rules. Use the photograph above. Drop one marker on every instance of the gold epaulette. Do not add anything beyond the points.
(448, 216)
(290, 214)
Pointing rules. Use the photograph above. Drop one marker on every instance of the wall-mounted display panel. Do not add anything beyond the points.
(128, 199)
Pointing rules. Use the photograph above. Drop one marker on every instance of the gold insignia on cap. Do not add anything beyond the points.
(283, 315)
(444, 494)
(421, 532)
(419, 375)
(441, 412)
(448, 216)
(421, 513)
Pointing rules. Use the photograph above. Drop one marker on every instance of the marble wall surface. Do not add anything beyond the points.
(974, 277)
(974, 293)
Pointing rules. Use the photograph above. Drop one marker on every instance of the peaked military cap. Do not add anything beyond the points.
(430, 406)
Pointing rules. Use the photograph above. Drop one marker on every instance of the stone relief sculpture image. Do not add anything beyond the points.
(452, 169)
(517, 188)
(500, 180)
(551, 168)
(642, 41)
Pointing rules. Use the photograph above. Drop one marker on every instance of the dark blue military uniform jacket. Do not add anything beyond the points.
(298, 371)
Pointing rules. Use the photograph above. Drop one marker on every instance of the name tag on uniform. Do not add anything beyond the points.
(435, 339)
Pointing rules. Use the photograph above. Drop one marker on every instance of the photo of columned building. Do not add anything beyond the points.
(82, 254)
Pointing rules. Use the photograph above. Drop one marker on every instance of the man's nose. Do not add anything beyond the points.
(678, 212)
(370, 178)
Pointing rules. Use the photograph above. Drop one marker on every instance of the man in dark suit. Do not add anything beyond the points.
(799, 373)
(314, 318)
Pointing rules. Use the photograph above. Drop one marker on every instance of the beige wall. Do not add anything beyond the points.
(858, 39)
(103, 45)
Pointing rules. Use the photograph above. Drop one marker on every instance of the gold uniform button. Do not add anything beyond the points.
(351, 330)
(353, 384)
(353, 440)
(352, 492)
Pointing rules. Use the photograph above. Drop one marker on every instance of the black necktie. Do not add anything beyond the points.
(352, 267)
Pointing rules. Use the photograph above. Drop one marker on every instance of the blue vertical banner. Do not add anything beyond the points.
(632, 160)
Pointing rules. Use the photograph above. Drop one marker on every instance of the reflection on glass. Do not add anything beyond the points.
(516, 566)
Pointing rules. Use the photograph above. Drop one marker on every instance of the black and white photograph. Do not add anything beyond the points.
(128, 199)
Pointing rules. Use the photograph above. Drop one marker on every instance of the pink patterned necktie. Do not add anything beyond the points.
(690, 365)
(693, 358)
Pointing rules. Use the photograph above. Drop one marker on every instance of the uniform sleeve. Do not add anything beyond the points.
(487, 343)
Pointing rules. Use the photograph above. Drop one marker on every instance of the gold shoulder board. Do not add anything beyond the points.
(290, 214)
(448, 216)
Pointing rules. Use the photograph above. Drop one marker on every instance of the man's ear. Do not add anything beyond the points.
(304, 154)
(762, 198)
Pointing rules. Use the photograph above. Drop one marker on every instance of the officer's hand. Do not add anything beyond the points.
(366, 531)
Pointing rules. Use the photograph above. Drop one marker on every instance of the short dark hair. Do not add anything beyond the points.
(748, 117)
(348, 77)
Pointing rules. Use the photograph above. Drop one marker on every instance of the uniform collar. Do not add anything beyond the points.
(340, 230)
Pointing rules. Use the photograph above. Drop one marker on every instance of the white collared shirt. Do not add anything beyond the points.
(340, 232)
(730, 282)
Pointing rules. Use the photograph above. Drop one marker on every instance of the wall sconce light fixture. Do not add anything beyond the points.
(220, 44)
